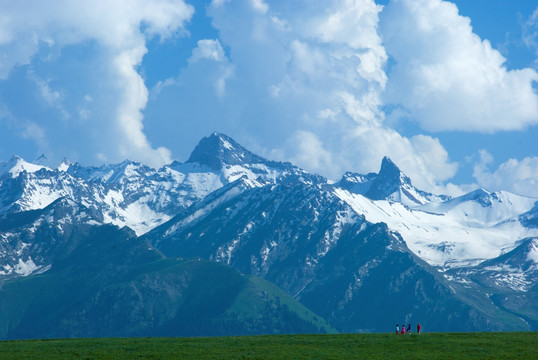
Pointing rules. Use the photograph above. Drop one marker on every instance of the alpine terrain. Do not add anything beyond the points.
(231, 243)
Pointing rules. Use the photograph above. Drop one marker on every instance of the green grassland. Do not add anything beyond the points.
(521, 345)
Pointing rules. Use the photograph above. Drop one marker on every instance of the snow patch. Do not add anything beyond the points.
(533, 251)
(444, 239)
(22, 268)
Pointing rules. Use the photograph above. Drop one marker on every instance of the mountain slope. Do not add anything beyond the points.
(450, 238)
(113, 284)
(301, 236)
(30, 241)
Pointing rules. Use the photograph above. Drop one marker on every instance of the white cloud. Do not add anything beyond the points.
(120, 29)
(306, 87)
(421, 157)
(308, 150)
(133, 99)
(208, 49)
(52, 97)
(517, 176)
(435, 157)
(260, 5)
(33, 131)
(211, 49)
(447, 77)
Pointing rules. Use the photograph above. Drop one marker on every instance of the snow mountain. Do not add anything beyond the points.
(389, 184)
(132, 194)
(363, 252)
(356, 274)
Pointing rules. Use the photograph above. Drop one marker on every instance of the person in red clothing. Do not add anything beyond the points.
(418, 329)
(403, 329)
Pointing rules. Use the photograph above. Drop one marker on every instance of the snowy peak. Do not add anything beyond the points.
(111, 173)
(64, 165)
(17, 165)
(482, 207)
(356, 183)
(480, 196)
(218, 150)
(128, 170)
(389, 184)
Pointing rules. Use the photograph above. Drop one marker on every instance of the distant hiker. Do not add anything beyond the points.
(403, 329)
(418, 328)
(409, 329)
(397, 329)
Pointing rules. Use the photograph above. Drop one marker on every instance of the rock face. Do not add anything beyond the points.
(363, 253)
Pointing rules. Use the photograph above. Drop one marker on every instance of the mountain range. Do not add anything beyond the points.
(231, 243)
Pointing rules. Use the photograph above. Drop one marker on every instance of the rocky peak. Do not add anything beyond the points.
(388, 181)
(219, 150)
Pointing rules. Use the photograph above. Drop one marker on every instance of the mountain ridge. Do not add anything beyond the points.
(330, 245)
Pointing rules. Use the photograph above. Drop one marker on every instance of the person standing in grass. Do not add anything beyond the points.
(409, 328)
(403, 329)
(418, 329)
(397, 329)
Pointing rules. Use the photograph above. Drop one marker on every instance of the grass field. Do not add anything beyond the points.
(346, 346)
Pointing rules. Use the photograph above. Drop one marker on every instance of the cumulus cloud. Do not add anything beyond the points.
(307, 149)
(421, 157)
(119, 29)
(305, 85)
(446, 77)
(517, 176)
(208, 49)
(302, 81)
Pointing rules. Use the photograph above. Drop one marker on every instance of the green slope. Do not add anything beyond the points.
(114, 284)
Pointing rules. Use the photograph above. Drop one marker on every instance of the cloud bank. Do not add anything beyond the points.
(118, 31)
(447, 78)
(303, 82)
(327, 85)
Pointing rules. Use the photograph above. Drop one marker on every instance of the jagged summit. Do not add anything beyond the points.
(391, 172)
(389, 184)
(218, 150)
(388, 181)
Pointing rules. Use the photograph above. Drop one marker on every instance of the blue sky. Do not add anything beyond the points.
(448, 90)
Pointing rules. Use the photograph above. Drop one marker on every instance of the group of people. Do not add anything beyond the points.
(403, 331)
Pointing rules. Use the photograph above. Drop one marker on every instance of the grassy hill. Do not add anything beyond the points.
(112, 284)
(432, 346)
